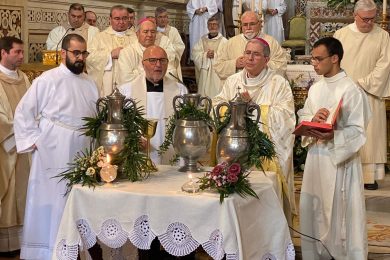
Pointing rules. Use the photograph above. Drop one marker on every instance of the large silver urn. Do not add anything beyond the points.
(233, 143)
(191, 137)
(112, 131)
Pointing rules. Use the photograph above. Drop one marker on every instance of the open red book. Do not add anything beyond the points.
(304, 126)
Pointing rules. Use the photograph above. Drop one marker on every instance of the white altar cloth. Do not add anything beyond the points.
(241, 228)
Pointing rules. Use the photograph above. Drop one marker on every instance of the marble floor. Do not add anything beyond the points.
(378, 220)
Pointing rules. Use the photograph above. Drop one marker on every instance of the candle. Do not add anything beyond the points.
(253, 5)
(239, 6)
(108, 172)
(384, 7)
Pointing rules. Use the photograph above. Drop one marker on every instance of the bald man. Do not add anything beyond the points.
(230, 55)
(130, 61)
(154, 91)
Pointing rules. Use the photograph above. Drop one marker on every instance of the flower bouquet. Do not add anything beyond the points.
(85, 168)
(227, 179)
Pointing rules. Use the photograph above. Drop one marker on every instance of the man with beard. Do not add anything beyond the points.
(261, 85)
(231, 58)
(130, 60)
(76, 20)
(47, 123)
(14, 168)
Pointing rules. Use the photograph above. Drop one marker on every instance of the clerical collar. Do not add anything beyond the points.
(255, 80)
(120, 33)
(10, 73)
(161, 29)
(336, 77)
(212, 37)
(152, 87)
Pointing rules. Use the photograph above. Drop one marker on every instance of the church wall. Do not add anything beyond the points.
(32, 20)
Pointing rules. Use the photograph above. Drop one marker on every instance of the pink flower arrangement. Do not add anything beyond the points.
(227, 179)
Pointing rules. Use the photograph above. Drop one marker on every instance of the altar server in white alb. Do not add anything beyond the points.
(273, 94)
(273, 22)
(231, 58)
(76, 21)
(155, 92)
(367, 62)
(47, 123)
(199, 11)
(332, 206)
(204, 55)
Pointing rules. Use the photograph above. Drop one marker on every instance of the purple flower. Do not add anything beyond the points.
(217, 170)
(234, 169)
(232, 178)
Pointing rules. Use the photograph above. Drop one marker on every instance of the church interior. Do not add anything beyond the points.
(32, 20)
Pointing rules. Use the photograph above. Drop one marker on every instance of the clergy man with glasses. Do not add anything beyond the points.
(155, 91)
(263, 86)
(230, 55)
(47, 123)
(367, 61)
(332, 198)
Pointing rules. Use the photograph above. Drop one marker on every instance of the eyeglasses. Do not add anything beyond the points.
(117, 19)
(249, 24)
(77, 53)
(153, 61)
(319, 59)
(368, 19)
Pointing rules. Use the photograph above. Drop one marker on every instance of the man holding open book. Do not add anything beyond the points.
(332, 201)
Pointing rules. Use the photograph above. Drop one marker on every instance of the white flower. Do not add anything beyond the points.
(90, 171)
(100, 150)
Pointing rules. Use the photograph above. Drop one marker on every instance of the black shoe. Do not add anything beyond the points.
(10, 254)
(371, 186)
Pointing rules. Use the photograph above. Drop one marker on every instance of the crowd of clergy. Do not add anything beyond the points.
(40, 122)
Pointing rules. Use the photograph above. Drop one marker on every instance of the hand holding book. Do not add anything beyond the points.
(318, 127)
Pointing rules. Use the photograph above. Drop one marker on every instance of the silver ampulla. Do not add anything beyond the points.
(191, 137)
(233, 143)
(112, 132)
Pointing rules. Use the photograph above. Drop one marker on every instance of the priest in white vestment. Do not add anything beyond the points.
(367, 62)
(246, 5)
(14, 168)
(131, 14)
(273, 94)
(76, 24)
(47, 123)
(231, 58)
(332, 207)
(173, 35)
(106, 48)
(199, 11)
(130, 62)
(155, 92)
(273, 22)
(204, 55)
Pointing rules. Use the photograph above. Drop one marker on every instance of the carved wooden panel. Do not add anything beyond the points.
(11, 22)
